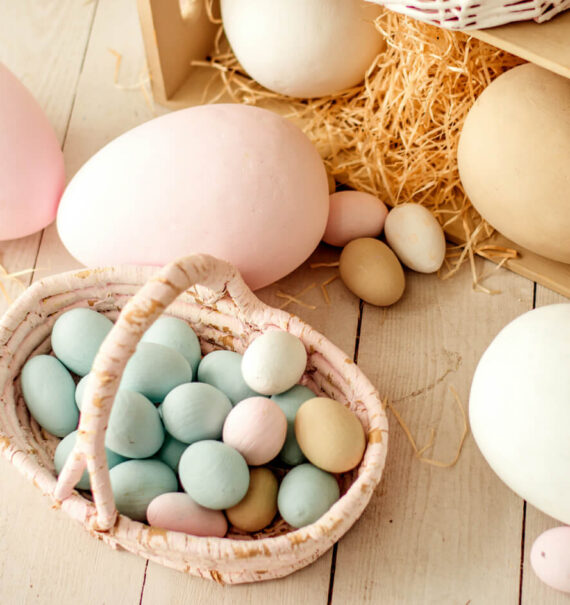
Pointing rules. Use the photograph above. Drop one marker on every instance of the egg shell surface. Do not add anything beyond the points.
(31, 162)
(519, 407)
(171, 451)
(550, 558)
(80, 390)
(243, 184)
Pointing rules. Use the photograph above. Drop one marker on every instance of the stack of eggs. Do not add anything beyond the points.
(208, 424)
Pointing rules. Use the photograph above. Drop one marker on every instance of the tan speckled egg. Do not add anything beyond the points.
(329, 434)
(372, 271)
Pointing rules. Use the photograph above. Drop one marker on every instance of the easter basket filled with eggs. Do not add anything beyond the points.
(210, 297)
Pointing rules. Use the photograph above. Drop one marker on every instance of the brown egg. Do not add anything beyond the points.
(329, 434)
(372, 271)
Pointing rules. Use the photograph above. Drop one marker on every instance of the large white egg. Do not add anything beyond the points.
(237, 182)
(303, 48)
(519, 407)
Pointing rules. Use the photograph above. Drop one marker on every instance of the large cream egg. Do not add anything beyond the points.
(303, 48)
(519, 407)
(237, 182)
(513, 159)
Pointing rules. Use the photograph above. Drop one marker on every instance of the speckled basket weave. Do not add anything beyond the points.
(225, 314)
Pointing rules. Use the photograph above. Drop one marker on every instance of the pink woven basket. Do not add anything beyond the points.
(225, 314)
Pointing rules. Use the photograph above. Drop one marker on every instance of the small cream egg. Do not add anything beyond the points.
(550, 558)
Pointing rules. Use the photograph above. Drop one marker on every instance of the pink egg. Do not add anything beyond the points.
(256, 427)
(31, 162)
(354, 214)
(550, 558)
(176, 511)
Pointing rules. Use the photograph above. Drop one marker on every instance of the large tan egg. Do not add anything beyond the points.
(513, 159)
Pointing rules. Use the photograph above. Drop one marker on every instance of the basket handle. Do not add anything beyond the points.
(136, 317)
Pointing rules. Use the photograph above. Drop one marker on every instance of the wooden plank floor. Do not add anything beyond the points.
(430, 535)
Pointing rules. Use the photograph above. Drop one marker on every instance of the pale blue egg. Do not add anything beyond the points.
(290, 401)
(76, 337)
(178, 335)
(214, 474)
(136, 482)
(195, 411)
(154, 370)
(80, 390)
(305, 494)
(63, 450)
(171, 451)
(49, 393)
(222, 369)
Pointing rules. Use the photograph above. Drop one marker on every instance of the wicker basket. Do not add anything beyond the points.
(225, 314)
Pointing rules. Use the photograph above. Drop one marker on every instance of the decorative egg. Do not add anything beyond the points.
(259, 506)
(256, 428)
(213, 474)
(135, 483)
(171, 451)
(76, 337)
(416, 237)
(80, 390)
(176, 511)
(519, 407)
(49, 393)
(31, 162)
(244, 184)
(195, 411)
(354, 214)
(303, 48)
(306, 493)
(274, 362)
(222, 369)
(550, 558)
(329, 434)
(512, 158)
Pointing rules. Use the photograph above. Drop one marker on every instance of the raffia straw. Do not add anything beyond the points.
(320, 265)
(13, 277)
(324, 288)
(118, 58)
(294, 298)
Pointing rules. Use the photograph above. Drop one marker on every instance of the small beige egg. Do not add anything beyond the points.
(329, 434)
(259, 506)
(371, 270)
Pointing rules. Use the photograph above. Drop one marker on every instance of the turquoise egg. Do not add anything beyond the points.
(213, 474)
(49, 393)
(305, 494)
(171, 451)
(76, 337)
(63, 450)
(195, 411)
(136, 482)
(178, 335)
(154, 370)
(222, 369)
(80, 390)
(135, 429)
(290, 401)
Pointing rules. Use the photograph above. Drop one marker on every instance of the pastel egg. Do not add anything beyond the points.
(329, 434)
(80, 390)
(176, 511)
(274, 362)
(171, 451)
(222, 369)
(290, 402)
(256, 428)
(76, 337)
(354, 214)
(195, 411)
(49, 393)
(213, 474)
(135, 483)
(305, 494)
(258, 195)
(259, 506)
(416, 237)
(178, 335)
(550, 558)
(154, 370)
(369, 269)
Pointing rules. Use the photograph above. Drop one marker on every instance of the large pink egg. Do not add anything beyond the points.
(31, 162)
(234, 181)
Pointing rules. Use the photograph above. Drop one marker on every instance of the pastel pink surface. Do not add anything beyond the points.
(354, 214)
(550, 558)
(31, 162)
(238, 182)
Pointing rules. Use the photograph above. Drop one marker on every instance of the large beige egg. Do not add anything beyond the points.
(513, 159)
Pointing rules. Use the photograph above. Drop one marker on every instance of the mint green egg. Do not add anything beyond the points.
(76, 337)
(80, 390)
(305, 494)
(49, 393)
(171, 451)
